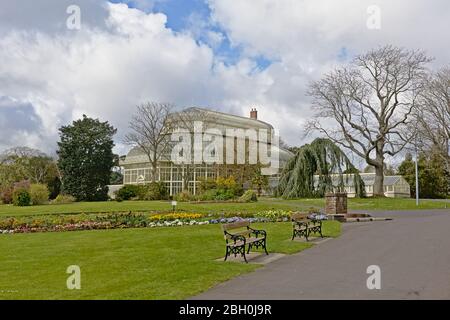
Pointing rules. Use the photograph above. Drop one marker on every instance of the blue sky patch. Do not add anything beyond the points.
(194, 16)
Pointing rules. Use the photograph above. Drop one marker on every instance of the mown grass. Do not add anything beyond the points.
(158, 263)
(262, 204)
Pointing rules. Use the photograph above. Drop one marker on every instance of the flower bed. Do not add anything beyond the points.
(176, 216)
(235, 219)
(54, 223)
(96, 221)
(274, 215)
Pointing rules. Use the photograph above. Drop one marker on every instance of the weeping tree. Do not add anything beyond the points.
(316, 169)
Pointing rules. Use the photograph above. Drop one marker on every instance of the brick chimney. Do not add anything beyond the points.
(254, 114)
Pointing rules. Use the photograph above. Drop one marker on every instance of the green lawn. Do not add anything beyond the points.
(262, 204)
(158, 263)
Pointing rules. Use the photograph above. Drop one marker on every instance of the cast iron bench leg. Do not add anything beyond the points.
(226, 254)
(243, 253)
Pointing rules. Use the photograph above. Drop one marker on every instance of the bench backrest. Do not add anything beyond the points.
(299, 216)
(235, 225)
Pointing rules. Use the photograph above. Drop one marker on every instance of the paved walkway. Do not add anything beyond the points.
(413, 252)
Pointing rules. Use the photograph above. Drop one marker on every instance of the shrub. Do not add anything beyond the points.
(154, 191)
(128, 192)
(206, 184)
(224, 194)
(151, 191)
(21, 197)
(221, 189)
(183, 196)
(249, 196)
(54, 187)
(39, 194)
(229, 184)
(63, 199)
(208, 195)
(6, 195)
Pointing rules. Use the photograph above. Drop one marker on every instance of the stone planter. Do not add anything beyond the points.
(336, 203)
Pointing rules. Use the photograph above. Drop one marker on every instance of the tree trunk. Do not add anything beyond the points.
(378, 186)
(154, 170)
(186, 174)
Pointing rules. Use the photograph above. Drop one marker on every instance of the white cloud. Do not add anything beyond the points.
(308, 38)
(124, 56)
(103, 73)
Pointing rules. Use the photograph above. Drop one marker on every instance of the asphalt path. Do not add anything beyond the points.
(412, 253)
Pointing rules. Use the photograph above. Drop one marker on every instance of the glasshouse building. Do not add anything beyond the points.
(137, 169)
(394, 186)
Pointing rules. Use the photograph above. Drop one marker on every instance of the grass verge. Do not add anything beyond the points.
(158, 263)
(262, 205)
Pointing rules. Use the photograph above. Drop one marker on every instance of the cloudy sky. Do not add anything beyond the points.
(223, 54)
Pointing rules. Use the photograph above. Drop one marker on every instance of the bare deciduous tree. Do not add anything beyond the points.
(370, 103)
(185, 120)
(150, 131)
(433, 116)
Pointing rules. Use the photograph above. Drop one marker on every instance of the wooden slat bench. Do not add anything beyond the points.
(242, 236)
(303, 226)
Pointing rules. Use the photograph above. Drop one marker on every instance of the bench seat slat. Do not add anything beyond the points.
(244, 233)
(240, 243)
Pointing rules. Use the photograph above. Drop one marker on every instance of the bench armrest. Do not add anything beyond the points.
(235, 237)
(300, 223)
(316, 221)
(257, 232)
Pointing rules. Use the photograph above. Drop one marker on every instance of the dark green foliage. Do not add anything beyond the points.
(151, 191)
(224, 194)
(128, 192)
(217, 195)
(433, 179)
(21, 197)
(116, 178)
(86, 158)
(323, 158)
(54, 187)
